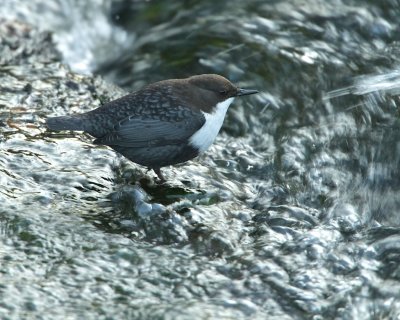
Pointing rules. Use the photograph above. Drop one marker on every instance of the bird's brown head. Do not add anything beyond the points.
(210, 89)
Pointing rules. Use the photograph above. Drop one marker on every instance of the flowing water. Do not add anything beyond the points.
(294, 212)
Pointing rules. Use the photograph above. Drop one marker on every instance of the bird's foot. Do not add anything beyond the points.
(159, 175)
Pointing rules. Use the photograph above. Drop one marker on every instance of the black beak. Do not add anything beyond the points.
(245, 92)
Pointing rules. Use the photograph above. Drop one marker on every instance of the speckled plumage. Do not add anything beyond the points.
(153, 126)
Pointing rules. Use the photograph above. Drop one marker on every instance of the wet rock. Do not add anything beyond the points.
(256, 227)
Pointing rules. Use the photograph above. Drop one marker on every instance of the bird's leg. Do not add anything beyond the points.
(159, 175)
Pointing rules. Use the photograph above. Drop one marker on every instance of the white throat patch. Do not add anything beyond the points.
(204, 138)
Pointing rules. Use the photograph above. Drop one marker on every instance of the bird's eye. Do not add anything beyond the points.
(223, 92)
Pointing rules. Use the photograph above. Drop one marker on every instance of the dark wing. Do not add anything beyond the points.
(163, 128)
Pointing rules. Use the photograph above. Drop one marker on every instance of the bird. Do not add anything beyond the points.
(164, 123)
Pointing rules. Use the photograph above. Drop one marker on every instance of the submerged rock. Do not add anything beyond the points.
(70, 175)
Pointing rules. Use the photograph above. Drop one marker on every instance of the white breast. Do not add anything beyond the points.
(203, 138)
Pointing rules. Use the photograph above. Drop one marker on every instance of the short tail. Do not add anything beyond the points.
(65, 123)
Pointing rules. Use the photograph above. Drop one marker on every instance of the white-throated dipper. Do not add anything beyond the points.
(164, 123)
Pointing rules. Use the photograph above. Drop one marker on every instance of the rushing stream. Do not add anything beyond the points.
(293, 213)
